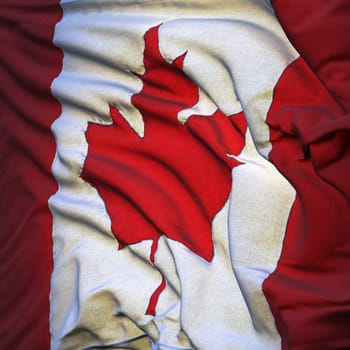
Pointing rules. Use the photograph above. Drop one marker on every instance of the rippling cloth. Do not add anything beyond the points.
(174, 174)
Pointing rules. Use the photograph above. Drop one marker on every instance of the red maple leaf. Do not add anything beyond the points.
(176, 178)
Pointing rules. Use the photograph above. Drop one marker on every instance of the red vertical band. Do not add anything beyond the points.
(309, 291)
(29, 63)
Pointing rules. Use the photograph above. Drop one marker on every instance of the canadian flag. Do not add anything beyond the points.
(175, 175)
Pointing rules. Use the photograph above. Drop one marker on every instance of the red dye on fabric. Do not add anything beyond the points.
(174, 179)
